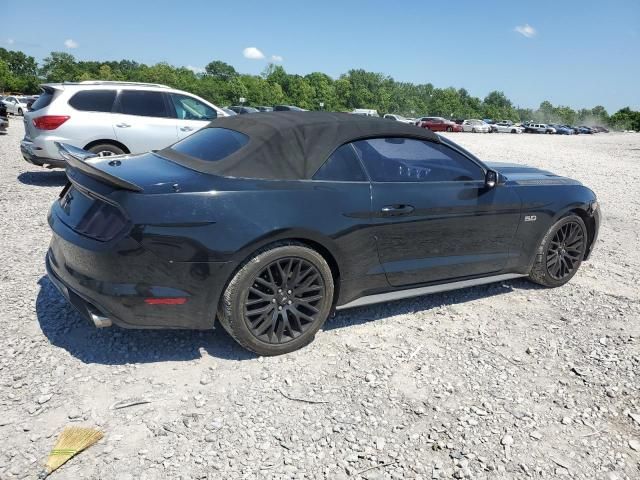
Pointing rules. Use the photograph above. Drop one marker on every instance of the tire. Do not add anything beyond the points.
(267, 319)
(564, 244)
(20, 111)
(449, 129)
(106, 150)
(514, 131)
(473, 130)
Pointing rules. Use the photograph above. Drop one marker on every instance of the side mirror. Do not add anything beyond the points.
(491, 179)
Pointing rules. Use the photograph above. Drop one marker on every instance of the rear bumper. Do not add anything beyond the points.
(30, 152)
(116, 282)
(83, 305)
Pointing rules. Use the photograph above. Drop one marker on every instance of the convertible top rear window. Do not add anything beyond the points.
(211, 144)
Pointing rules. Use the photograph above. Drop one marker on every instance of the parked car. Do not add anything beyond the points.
(506, 127)
(241, 110)
(4, 121)
(367, 112)
(264, 109)
(538, 128)
(229, 112)
(142, 242)
(439, 124)
(16, 105)
(574, 130)
(585, 130)
(475, 126)
(397, 118)
(110, 118)
(287, 108)
(561, 129)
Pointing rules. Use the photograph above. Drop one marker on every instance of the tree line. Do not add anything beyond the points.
(222, 85)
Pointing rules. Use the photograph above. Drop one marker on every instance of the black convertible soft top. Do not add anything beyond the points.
(293, 145)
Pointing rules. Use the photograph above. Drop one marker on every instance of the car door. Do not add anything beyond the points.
(434, 218)
(191, 114)
(436, 125)
(143, 120)
(11, 103)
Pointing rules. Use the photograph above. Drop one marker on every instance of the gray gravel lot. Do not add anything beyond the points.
(502, 381)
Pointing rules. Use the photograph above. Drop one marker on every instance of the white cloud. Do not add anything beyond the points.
(276, 58)
(526, 30)
(69, 43)
(10, 41)
(196, 69)
(252, 53)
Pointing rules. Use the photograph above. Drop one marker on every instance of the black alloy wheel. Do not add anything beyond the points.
(561, 252)
(565, 251)
(284, 300)
(278, 299)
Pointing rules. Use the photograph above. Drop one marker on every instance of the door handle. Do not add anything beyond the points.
(122, 125)
(396, 210)
(186, 129)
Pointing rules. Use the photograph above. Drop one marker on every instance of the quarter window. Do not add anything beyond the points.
(93, 100)
(342, 166)
(408, 160)
(142, 103)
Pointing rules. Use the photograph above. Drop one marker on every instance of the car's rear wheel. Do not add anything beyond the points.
(278, 300)
(560, 253)
(449, 129)
(106, 150)
(19, 111)
(473, 130)
(513, 130)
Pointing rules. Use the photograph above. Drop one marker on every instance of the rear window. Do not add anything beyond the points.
(93, 100)
(43, 100)
(211, 144)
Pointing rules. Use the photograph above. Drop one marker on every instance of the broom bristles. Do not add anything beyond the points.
(71, 441)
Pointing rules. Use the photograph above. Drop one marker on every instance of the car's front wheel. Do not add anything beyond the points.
(560, 253)
(20, 111)
(278, 300)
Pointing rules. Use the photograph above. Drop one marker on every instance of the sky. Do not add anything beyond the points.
(576, 53)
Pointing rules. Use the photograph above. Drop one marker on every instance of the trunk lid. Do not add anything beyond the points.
(148, 172)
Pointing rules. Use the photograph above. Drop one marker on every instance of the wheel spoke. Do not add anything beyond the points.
(259, 293)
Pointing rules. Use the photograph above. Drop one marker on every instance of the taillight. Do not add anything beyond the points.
(50, 122)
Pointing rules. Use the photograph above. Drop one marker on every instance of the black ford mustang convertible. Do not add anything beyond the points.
(269, 222)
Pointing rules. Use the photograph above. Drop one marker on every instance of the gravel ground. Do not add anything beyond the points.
(501, 381)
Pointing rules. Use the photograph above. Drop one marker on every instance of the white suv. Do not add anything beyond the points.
(110, 118)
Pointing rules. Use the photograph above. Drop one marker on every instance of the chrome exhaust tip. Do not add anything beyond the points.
(99, 321)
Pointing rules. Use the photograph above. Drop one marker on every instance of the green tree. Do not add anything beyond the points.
(220, 70)
(60, 67)
(323, 91)
(498, 107)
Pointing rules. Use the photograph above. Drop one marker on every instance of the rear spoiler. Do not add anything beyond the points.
(76, 158)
